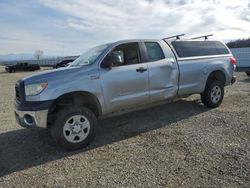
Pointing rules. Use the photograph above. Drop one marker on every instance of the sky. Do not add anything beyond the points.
(69, 27)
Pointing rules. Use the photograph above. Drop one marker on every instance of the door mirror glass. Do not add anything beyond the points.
(116, 58)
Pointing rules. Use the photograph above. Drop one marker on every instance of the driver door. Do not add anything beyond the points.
(126, 85)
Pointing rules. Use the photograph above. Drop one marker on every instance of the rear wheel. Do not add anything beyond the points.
(213, 94)
(74, 127)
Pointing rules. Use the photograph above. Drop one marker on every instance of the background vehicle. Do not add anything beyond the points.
(66, 61)
(63, 63)
(22, 67)
(120, 77)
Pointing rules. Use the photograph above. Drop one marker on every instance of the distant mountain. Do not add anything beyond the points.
(13, 57)
(19, 57)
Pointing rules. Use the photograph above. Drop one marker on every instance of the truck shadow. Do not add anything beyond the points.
(25, 148)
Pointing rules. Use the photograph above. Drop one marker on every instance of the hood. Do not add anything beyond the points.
(50, 74)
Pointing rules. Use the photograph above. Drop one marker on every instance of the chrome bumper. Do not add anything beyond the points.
(32, 119)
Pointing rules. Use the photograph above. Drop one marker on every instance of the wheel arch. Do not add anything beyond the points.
(218, 75)
(81, 98)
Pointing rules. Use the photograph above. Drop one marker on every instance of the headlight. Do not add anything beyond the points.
(34, 89)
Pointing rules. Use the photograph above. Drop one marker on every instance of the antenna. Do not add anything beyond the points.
(175, 36)
(203, 36)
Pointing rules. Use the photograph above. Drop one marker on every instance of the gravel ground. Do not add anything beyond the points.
(182, 144)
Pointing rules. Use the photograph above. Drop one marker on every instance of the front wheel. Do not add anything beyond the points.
(74, 127)
(213, 94)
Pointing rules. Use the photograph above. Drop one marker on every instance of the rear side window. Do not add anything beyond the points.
(199, 48)
(154, 51)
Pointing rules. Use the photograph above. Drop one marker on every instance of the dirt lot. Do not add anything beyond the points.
(182, 144)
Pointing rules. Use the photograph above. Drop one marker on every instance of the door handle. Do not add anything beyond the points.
(141, 69)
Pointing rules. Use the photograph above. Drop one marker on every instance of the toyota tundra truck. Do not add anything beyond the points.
(120, 77)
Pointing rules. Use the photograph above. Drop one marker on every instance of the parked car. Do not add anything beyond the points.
(22, 67)
(121, 77)
(63, 63)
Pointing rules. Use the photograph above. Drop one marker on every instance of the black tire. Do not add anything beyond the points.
(62, 116)
(207, 96)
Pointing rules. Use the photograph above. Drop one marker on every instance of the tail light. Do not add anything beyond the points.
(233, 61)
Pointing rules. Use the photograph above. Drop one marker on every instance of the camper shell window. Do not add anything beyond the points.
(199, 48)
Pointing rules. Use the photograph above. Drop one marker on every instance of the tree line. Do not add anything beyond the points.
(240, 43)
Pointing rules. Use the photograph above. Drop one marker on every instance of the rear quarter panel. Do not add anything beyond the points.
(194, 72)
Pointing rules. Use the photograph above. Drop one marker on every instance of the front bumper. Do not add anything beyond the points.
(32, 119)
(30, 113)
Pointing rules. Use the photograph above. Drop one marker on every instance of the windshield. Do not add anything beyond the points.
(90, 56)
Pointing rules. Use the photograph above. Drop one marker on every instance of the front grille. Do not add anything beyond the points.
(17, 93)
(19, 89)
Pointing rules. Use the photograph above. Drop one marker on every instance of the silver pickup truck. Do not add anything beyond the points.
(120, 77)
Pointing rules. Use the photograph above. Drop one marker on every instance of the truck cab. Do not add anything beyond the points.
(126, 83)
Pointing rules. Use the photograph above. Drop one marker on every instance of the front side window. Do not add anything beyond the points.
(154, 51)
(129, 53)
(90, 56)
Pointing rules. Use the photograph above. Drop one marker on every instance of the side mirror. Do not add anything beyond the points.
(115, 58)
